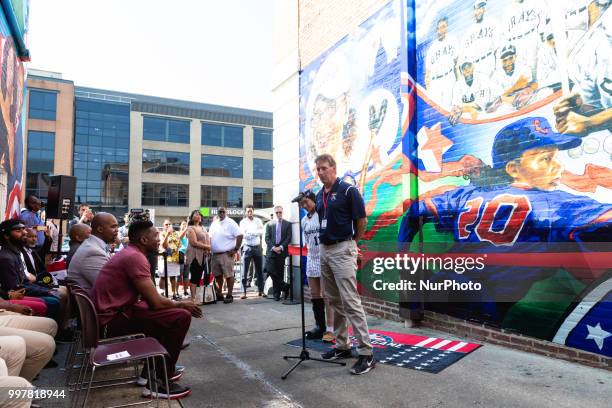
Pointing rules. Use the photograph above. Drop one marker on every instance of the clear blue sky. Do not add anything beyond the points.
(213, 51)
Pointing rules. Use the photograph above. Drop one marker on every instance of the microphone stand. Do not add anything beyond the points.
(304, 354)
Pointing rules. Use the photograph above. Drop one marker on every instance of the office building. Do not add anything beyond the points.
(137, 151)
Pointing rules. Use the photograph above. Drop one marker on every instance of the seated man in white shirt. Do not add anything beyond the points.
(94, 252)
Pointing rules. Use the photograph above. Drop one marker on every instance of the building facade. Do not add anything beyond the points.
(137, 151)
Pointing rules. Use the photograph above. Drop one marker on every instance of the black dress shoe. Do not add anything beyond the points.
(277, 298)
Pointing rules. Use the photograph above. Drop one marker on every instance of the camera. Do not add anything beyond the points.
(298, 198)
(304, 194)
(139, 214)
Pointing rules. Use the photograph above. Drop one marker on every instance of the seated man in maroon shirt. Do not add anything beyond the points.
(127, 302)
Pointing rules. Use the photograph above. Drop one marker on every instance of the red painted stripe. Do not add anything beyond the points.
(468, 348)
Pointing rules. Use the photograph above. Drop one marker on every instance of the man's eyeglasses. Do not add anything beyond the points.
(279, 212)
(221, 212)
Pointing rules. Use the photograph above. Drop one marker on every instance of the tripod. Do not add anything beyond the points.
(304, 354)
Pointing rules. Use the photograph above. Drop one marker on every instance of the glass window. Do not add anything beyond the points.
(178, 131)
(221, 166)
(217, 196)
(165, 195)
(222, 135)
(40, 161)
(101, 155)
(262, 197)
(262, 169)
(154, 129)
(166, 130)
(42, 104)
(41, 152)
(262, 139)
(157, 161)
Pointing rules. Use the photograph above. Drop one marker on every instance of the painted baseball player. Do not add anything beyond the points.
(440, 62)
(519, 202)
(548, 63)
(576, 19)
(514, 83)
(480, 40)
(590, 107)
(472, 93)
(517, 205)
(524, 21)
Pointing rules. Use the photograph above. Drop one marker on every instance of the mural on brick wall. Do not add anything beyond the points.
(352, 107)
(12, 95)
(510, 145)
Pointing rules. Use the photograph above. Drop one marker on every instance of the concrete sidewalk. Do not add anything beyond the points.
(235, 360)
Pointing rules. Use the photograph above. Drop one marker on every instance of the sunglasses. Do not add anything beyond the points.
(279, 212)
(221, 212)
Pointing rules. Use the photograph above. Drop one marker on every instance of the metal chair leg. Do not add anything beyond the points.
(93, 372)
(167, 382)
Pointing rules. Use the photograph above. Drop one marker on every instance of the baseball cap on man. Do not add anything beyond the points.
(9, 225)
(526, 134)
(480, 3)
(507, 51)
(310, 194)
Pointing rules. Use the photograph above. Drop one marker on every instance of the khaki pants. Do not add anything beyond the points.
(38, 333)
(12, 357)
(339, 272)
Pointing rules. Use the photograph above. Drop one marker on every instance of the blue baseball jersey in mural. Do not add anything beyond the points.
(506, 215)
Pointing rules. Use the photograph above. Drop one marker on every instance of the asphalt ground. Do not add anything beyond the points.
(236, 360)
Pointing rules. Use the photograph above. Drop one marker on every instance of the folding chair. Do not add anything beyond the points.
(113, 351)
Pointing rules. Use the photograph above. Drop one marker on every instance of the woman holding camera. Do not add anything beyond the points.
(171, 243)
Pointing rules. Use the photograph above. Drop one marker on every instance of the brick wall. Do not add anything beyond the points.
(481, 333)
(322, 23)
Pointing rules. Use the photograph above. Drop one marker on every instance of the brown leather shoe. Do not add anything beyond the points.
(328, 337)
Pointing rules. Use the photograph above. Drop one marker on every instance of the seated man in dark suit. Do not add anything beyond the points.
(14, 284)
(33, 258)
(278, 238)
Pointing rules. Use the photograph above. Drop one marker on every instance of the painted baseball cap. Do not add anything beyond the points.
(526, 134)
(507, 51)
(480, 3)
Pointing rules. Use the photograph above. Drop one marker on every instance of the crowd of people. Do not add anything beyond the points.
(124, 269)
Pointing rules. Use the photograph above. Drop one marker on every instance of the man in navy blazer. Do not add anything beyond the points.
(278, 238)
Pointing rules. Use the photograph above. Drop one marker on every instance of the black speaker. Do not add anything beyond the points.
(60, 201)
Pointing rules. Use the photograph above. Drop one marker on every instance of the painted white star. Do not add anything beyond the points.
(598, 335)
